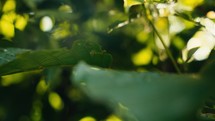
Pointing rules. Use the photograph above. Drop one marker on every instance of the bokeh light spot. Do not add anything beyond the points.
(21, 22)
(143, 57)
(6, 28)
(10, 5)
(41, 87)
(65, 8)
(88, 118)
(211, 15)
(55, 101)
(113, 118)
(46, 24)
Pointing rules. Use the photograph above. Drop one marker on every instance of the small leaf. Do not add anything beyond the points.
(191, 52)
(147, 96)
(185, 15)
(32, 60)
(117, 25)
(129, 3)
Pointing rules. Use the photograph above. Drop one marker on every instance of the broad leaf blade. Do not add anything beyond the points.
(148, 96)
(9, 54)
(81, 50)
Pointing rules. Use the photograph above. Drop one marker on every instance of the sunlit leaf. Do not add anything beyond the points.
(6, 28)
(31, 60)
(87, 118)
(65, 8)
(190, 4)
(21, 22)
(135, 11)
(63, 30)
(55, 101)
(10, 5)
(148, 96)
(41, 87)
(9, 17)
(113, 118)
(129, 3)
(143, 57)
(58, 15)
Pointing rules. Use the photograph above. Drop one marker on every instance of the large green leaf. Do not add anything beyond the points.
(6, 55)
(147, 96)
(20, 61)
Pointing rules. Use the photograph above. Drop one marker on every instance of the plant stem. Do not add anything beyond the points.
(166, 48)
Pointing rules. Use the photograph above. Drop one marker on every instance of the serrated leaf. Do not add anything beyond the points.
(81, 50)
(148, 96)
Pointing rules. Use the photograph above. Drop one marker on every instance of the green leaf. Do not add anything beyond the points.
(147, 96)
(207, 117)
(30, 3)
(117, 25)
(31, 60)
(129, 3)
(191, 52)
(58, 15)
(9, 54)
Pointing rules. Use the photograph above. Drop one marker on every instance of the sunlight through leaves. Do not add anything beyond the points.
(56, 101)
(88, 118)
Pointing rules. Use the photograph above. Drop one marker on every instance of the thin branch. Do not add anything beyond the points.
(166, 48)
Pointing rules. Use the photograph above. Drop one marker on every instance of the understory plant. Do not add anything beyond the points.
(126, 60)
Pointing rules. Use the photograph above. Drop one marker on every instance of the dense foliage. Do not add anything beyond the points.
(107, 60)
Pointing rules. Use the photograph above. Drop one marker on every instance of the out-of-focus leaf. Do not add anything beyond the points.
(148, 96)
(186, 16)
(208, 70)
(135, 11)
(31, 4)
(58, 15)
(117, 25)
(129, 3)
(81, 50)
(9, 54)
(207, 117)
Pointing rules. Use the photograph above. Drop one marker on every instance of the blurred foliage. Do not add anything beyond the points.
(43, 40)
(148, 93)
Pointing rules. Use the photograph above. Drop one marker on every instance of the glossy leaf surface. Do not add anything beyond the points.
(147, 96)
(81, 51)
